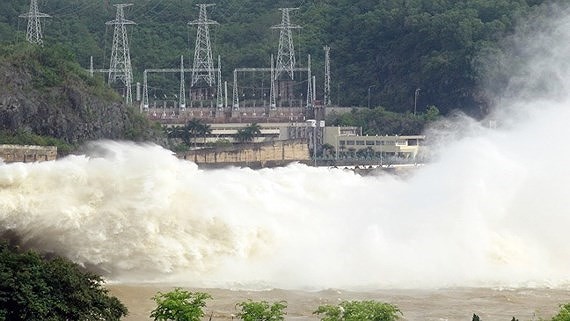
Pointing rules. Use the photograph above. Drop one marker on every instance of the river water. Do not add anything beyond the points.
(490, 212)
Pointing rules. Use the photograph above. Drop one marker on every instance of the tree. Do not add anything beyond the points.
(205, 129)
(254, 128)
(563, 314)
(432, 113)
(328, 150)
(190, 132)
(261, 311)
(180, 132)
(359, 311)
(179, 305)
(35, 288)
(243, 136)
(195, 127)
(248, 133)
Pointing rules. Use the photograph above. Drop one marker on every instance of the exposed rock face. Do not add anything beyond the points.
(73, 108)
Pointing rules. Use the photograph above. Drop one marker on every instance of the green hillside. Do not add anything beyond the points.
(388, 47)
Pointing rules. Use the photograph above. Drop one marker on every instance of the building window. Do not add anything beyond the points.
(402, 143)
(359, 142)
(379, 142)
(369, 143)
(342, 142)
(350, 142)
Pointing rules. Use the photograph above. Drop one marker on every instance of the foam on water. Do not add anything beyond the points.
(493, 210)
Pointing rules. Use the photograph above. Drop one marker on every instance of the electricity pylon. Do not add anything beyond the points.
(327, 100)
(34, 33)
(203, 67)
(120, 68)
(286, 53)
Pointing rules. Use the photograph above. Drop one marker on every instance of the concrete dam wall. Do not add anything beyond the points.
(258, 155)
(27, 153)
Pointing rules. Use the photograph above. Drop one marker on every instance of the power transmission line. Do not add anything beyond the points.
(34, 32)
(203, 48)
(120, 67)
(286, 54)
(74, 10)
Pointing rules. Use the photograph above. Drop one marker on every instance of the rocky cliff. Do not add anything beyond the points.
(43, 90)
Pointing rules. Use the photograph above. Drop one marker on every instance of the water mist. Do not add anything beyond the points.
(492, 210)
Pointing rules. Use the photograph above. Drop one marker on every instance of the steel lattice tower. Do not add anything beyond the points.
(34, 32)
(327, 98)
(120, 68)
(286, 54)
(203, 67)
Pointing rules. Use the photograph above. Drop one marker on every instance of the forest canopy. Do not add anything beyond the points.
(381, 51)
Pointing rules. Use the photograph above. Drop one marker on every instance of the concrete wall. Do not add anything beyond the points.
(269, 154)
(27, 153)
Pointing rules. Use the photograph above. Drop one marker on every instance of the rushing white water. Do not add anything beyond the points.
(493, 210)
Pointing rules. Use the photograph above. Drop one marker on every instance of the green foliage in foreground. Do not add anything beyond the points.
(179, 305)
(359, 311)
(261, 311)
(564, 314)
(33, 288)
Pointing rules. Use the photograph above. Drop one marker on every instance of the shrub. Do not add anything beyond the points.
(261, 311)
(359, 311)
(179, 305)
(34, 288)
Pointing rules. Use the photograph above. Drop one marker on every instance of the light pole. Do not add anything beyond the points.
(369, 95)
(416, 94)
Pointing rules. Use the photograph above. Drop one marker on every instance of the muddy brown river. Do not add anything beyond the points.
(440, 304)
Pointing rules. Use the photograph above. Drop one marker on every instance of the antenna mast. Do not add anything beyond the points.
(120, 68)
(203, 67)
(34, 33)
(286, 53)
